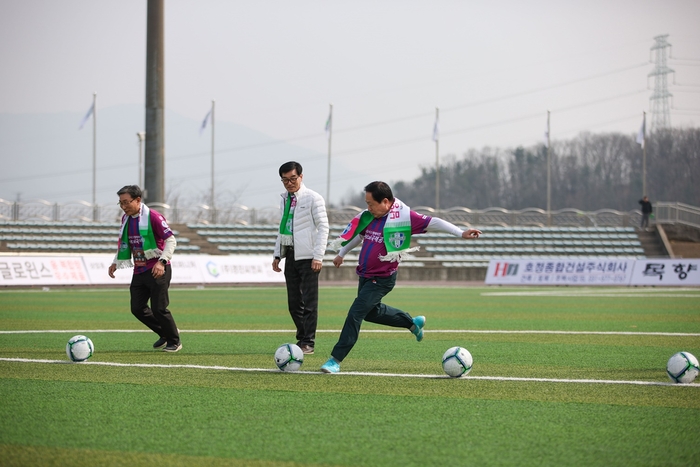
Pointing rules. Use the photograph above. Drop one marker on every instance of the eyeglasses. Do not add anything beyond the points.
(125, 203)
(289, 180)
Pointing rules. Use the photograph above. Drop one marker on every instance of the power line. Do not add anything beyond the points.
(546, 88)
(428, 114)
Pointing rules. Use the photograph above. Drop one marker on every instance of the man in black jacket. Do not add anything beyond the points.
(646, 211)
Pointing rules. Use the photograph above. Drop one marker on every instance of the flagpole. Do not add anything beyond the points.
(141, 135)
(94, 156)
(330, 137)
(437, 161)
(213, 126)
(644, 154)
(549, 178)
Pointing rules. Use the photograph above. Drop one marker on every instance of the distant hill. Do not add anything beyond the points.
(45, 156)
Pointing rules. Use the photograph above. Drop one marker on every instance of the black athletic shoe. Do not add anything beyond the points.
(173, 347)
(160, 343)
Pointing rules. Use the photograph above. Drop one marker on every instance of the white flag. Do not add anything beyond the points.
(436, 132)
(641, 133)
(87, 115)
(204, 122)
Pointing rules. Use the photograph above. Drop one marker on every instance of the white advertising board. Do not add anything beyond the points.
(43, 270)
(667, 272)
(560, 271)
(238, 269)
(97, 266)
(91, 269)
(185, 270)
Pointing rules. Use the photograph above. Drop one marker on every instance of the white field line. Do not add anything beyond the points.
(372, 331)
(353, 373)
(549, 293)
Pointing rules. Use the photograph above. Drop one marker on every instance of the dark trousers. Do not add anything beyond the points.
(645, 219)
(368, 306)
(157, 317)
(302, 297)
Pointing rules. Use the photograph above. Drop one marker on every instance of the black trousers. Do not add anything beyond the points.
(645, 220)
(302, 297)
(157, 317)
(368, 306)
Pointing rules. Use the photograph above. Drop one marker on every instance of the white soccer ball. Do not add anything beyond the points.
(289, 357)
(79, 348)
(682, 368)
(457, 361)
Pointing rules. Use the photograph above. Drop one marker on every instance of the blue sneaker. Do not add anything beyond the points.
(331, 366)
(418, 324)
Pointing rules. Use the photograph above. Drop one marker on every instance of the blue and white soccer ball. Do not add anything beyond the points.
(79, 348)
(682, 368)
(289, 357)
(457, 361)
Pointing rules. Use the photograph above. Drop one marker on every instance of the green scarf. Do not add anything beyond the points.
(150, 247)
(396, 233)
(286, 237)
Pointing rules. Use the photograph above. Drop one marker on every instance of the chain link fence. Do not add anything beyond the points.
(82, 211)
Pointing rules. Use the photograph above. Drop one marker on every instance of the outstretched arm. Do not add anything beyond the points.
(444, 226)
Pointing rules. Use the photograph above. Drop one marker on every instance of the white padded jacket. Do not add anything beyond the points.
(309, 228)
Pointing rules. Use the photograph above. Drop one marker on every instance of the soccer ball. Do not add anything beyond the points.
(682, 367)
(79, 348)
(289, 357)
(457, 361)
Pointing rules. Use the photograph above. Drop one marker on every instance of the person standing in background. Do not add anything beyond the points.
(301, 240)
(646, 211)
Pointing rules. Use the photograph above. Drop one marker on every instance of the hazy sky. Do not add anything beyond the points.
(493, 69)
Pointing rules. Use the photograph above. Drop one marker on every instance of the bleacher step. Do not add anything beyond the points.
(205, 247)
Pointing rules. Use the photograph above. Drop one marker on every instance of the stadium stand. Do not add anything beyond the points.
(441, 257)
(497, 241)
(436, 247)
(67, 237)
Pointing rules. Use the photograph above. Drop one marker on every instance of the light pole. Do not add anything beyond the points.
(141, 135)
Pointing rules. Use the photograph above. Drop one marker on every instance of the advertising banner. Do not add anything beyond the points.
(92, 269)
(42, 270)
(662, 272)
(560, 271)
(185, 270)
(238, 269)
(97, 266)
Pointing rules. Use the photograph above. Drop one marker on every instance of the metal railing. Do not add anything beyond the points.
(82, 211)
(677, 213)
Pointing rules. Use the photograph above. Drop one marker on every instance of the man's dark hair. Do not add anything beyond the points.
(289, 166)
(132, 190)
(379, 191)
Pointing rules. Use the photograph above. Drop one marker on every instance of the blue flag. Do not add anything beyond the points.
(204, 122)
(87, 115)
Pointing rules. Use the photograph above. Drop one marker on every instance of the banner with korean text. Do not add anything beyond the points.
(43, 270)
(593, 271)
(92, 269)
(666, 272)
(186, 270)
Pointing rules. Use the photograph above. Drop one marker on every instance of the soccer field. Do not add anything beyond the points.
(561, 376)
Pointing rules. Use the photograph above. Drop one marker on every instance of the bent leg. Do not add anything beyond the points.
(369, 298)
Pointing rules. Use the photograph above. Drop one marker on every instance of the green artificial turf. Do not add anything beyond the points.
(214, 413)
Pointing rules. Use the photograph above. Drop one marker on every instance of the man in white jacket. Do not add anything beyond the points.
(301, 240)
